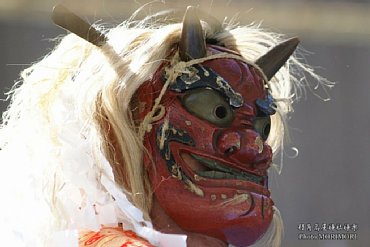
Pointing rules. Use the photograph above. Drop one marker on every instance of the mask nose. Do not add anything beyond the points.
(243, 146)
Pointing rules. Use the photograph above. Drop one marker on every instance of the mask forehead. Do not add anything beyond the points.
(242, 78)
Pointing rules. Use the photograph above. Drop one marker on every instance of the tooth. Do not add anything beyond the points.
(193, 188)
(198, 178)
(224, 196)
(176, 172)
(167, 156)
(213, 197)
(175, 169)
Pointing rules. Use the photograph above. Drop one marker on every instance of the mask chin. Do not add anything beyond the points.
(239, 218)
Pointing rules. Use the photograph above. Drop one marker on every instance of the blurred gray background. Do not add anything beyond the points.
(329, 180)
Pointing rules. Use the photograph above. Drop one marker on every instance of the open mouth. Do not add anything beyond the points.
(209, 168)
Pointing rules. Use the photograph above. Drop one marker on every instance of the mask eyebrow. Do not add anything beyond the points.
(201, 77)
(267, 105)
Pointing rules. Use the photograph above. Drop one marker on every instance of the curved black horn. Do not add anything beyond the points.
(274, 59)
(192, 42)
(64, 18)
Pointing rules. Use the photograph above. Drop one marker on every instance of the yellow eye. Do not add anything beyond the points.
(262, 125)
(209, 105)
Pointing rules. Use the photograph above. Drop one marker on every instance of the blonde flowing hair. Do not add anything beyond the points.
(70, 122)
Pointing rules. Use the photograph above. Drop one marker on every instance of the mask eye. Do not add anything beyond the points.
(208, 105)
(262, 125)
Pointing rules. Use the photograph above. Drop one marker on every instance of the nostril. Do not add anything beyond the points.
(230, 150)
(228, 142)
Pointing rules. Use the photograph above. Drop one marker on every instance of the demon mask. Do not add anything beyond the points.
(208, 152)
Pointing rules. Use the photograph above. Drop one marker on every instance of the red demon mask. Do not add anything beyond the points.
(208, 156)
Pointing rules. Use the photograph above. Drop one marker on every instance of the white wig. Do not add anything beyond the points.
(70, 151)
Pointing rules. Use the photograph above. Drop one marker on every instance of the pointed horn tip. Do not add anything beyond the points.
(190, 13)
(293, 41)
(69, 21)
(296, 39)
(58, 7)
(275, 58)
(58, 11)
(190, 8)
(60, 14)
(192, 42)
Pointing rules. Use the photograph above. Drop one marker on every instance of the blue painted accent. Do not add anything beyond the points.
(267, 105)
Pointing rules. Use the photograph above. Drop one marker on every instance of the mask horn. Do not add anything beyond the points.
(273, 60)
(64, 18)
(192, 42)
